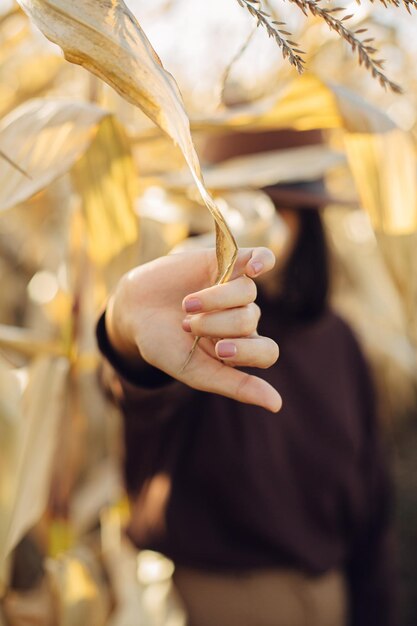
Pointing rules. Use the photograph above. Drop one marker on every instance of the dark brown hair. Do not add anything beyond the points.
(305, 282)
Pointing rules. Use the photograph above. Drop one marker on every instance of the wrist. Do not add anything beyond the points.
(126, 349)
(132, 369)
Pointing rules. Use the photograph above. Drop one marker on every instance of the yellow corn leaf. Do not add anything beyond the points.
(27, 343)
(13, 164)
(81, 595)
(105, 180)
(304, 104)
(27, 66)
(25, 74)
(14, 28)
(375, 146)
(400, 256)
(356, 114)
(28, 450)
(46, 138)
(384, 167)
(104, 37)
(376, 305)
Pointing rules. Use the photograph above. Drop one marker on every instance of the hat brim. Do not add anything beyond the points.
(304, 195)
(260, 170)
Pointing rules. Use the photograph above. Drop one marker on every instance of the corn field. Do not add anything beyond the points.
(100, 171)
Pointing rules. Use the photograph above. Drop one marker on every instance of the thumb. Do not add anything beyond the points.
(208, 374)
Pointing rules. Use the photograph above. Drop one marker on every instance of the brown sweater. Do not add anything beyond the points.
(220, 485)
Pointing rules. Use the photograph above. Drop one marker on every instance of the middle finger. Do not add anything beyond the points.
(237, 322)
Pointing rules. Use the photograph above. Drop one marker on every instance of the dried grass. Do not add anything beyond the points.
(364, 48)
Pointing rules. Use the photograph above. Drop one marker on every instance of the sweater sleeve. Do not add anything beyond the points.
(371, 568)
(145, 394)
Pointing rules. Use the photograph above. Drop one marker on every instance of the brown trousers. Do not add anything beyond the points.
(262, 598)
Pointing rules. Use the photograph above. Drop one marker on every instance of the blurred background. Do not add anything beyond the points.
(89, 187)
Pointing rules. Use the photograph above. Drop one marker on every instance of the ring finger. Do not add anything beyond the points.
(248, 352)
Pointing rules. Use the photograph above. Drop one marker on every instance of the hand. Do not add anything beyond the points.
(159, 308)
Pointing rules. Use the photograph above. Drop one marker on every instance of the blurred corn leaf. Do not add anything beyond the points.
(14, 29)
(27, 343)
(28, 447)
(13, 164)
(375, 146)
(28, 67)
(81, 594)
(46, 138)
(304, 104)
(26, 75)
(104, 37)
(384, 169)
(400, 255)
(377, 302)
(106, 182)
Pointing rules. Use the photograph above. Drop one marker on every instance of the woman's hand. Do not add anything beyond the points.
(159, 308)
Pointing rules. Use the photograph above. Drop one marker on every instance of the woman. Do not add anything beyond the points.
(270, 519)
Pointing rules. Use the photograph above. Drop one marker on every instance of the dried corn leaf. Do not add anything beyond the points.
(357, 115)
(400, 255)
(13, 164)
(375, 146)
(25, 75)
(362, 289)
(14, 29)
(27, 343)
(384, 167)
(27, 455)
(104, 37)
(36, 606)
(46, 138)
(304, 104)
(81, 595)
(105, 179)
(27, 65)
(10, 415)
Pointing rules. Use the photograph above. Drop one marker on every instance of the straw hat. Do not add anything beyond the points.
(288, 165)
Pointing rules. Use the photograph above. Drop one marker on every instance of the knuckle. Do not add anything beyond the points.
(256, 311)
(242, 386)
(267, 353)
(199, 325)
(248, 319)
(266, 253)
(272, 354)
(251, 289)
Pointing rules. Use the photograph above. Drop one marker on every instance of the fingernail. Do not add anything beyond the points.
(192, 305)
(257, 266)
(226, 349)
(186, 326)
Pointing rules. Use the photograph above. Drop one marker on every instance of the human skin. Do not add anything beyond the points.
(158, 308)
